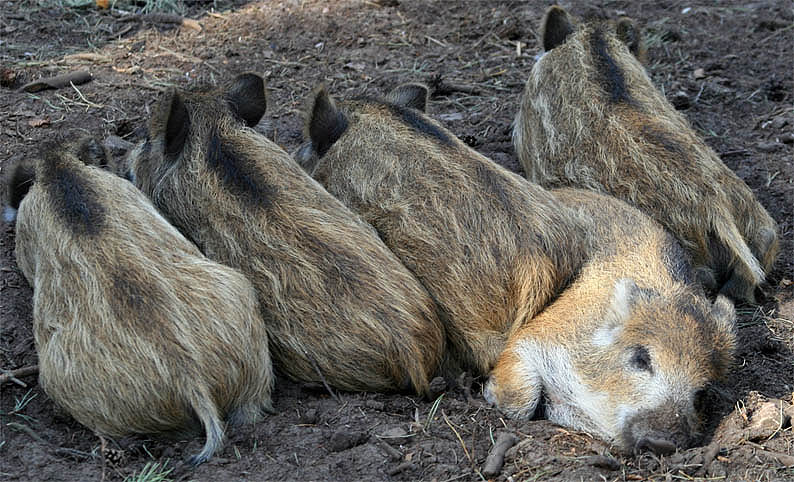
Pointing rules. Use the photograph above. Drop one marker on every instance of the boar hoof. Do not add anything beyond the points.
(739, 289)
(659, 446)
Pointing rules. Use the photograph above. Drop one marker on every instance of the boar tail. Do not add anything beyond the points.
(728, 233)
(208, 415)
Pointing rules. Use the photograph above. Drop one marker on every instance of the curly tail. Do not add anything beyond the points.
(729, 235)
(207, 413)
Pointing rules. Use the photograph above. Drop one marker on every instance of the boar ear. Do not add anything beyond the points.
(325, 124)
(17, 183)
(555, 27)
(410, 95)
(624, 295)
(92, 153)
(177, 124)
(629, 34)
(247, 98)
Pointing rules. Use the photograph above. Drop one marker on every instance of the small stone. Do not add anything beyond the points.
(699, 73)
(309, 417)
(680, 100)
(437, 386)
(768, 146)
(717, 469)
(787, 138)
(603, 462)
(343, 440)
(779, 123)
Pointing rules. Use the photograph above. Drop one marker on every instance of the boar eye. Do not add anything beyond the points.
(641, 359)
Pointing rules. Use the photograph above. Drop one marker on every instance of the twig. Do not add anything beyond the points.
(496, 457)
(91, 104)
(40, 439)
(400, 468)
(392, 452)
(13, 375)
(784, 459)
(322, 378)
(74, 453)
(439, 87)
(24, 428)
(163, 18)
(72, 78)
(465, 450)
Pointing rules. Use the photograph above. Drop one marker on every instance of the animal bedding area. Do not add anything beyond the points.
(727, 68)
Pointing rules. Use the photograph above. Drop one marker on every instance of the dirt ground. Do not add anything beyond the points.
(727, 65)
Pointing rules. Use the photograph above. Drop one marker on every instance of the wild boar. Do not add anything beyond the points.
(627, 349)
(590, 117)
(136, 331)
(338, 305)
(491, 248)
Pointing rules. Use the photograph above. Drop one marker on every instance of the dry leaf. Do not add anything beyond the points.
(39, 122)
(192, 24)
(87, 56)
(102, 3)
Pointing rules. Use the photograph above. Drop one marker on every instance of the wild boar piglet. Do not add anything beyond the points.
(590, 117)
(338, 305)
(491, 248)
(628, 349)
(136, 331)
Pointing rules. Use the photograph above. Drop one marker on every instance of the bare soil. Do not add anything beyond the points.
(727, 65)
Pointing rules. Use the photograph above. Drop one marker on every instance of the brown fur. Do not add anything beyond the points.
(625, 349)
(490, 248)
(591, 118)
(334, 298)
(136, 331)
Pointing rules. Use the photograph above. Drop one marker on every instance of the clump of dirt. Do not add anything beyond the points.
(724, 66)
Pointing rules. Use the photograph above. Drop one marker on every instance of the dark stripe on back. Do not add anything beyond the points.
(74, 199)
(610, 75)
(494, 184)
(417, 122)
(239, 174)
(662, 139)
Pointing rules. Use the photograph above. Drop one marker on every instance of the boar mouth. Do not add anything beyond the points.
(642, 434)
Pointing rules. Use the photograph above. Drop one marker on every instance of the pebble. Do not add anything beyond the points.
(768, 146)
(344, 439)
(309, 417)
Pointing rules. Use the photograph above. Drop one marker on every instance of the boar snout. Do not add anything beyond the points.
(660, 431)
(659, 446)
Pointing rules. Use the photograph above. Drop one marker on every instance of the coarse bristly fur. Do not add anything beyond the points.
(590, 117)
(338, 305)
(491, 248)
(626, 350)
(136, 331)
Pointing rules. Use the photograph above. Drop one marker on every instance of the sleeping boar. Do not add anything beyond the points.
(338, 305)
(491, 248)
(627, 349)
(591, 118)
(495, 250)
(136, 331)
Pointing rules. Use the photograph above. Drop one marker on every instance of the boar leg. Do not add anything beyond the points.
(514, 385)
